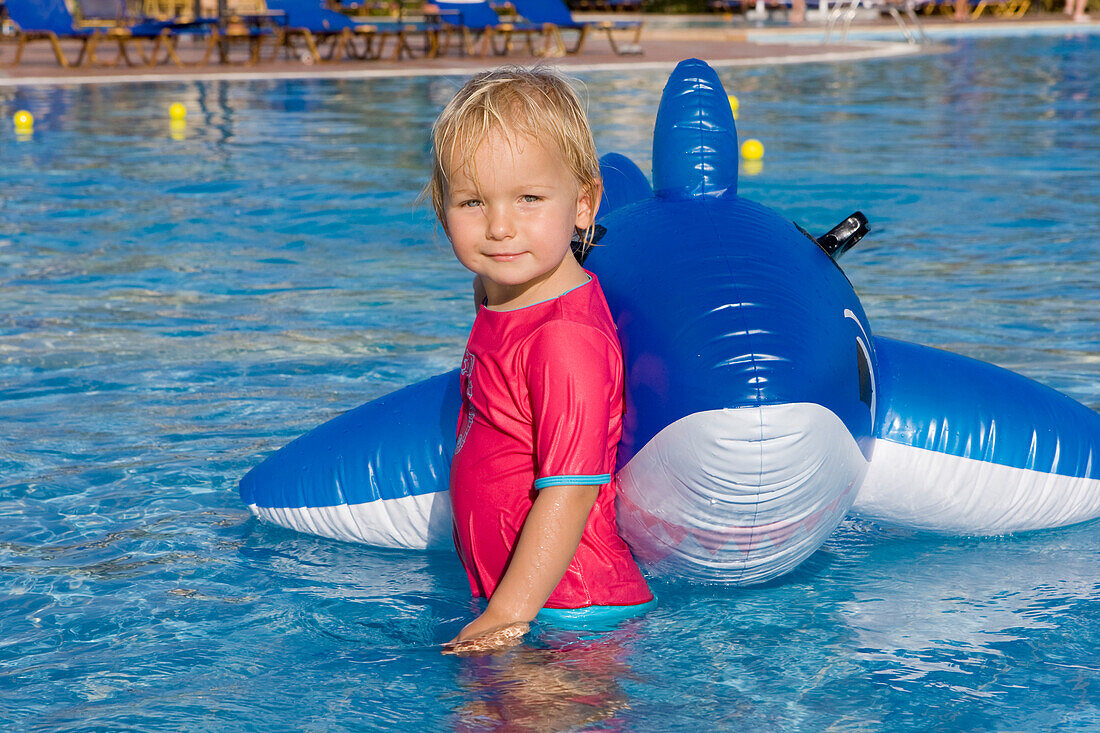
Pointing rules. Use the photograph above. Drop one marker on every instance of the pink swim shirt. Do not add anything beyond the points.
(542, 405)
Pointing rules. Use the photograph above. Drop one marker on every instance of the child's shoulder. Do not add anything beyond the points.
(578, 311)
(562, 349)
(578, 328)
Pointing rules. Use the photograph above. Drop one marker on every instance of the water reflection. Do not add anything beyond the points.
(965, 607)
(577, 682)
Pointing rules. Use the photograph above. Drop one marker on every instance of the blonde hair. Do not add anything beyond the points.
(536, 104)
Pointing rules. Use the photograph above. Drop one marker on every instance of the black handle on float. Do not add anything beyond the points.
(582, 249)
(844, 235)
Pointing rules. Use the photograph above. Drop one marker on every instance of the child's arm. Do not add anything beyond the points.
(550, 536)
(573, 373)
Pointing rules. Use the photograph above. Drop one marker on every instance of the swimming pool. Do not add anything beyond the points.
(172, 310)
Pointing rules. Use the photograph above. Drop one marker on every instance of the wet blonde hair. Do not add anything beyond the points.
(535, 104)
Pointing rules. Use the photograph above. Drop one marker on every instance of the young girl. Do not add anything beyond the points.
(515, 176)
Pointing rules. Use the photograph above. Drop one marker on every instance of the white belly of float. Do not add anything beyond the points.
(739, 495)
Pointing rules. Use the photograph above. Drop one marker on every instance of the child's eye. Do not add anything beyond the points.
(530, 198)
(470, 204)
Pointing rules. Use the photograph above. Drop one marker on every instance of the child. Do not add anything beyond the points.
(515, 176)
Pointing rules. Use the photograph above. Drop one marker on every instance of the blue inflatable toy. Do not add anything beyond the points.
(760, 407)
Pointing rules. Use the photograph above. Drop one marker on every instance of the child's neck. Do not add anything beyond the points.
(508, 297)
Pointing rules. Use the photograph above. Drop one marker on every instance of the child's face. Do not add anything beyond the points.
(512, 221)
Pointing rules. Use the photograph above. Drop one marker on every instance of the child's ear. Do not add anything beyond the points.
(588, 201)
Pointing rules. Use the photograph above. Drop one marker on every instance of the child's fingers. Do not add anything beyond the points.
(498, 639)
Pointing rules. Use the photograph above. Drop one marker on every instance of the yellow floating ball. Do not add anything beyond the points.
(735, 103)
(23, 120)
(752, 149)
(177, 111)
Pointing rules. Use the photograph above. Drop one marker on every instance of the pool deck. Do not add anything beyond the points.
(664, 43)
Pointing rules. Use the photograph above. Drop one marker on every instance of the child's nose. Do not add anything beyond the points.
(499, 224)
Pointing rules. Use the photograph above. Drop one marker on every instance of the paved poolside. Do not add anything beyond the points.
(664, 43)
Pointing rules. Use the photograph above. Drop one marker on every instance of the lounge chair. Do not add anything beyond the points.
(308, 21)
(103, 13)
(475, 21)
(114, 17)
(555, 17)
(247, 21)
(50, 20)
(423, 22)
(403, 31)
(398, 23)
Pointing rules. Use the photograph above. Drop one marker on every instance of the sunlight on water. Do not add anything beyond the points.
(171, 311)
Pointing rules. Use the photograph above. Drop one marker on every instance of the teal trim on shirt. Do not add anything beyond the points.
(485, 302)
(592, 618)
(600, 480)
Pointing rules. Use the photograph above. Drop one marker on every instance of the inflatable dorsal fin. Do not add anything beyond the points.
(695, 139)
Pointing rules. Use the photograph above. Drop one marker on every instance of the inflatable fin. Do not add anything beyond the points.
(377, 474)
(968, 447)
(844, 235)
(695, 140)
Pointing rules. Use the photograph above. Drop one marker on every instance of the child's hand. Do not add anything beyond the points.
(494, 640)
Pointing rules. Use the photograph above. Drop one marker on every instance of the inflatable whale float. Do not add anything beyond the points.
(760, 407)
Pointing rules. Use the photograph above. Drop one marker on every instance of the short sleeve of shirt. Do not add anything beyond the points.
(572, 373)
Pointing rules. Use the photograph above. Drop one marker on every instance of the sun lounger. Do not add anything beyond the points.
(403, 33)
(241, 21)
(50, 20)
(555, 17)
(475, 22)
(248, 22)
(308, 21)
(114, 17)
(103, 13)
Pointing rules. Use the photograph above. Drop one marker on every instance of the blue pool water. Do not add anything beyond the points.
(171, 311)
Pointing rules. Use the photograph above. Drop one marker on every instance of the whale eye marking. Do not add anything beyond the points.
(863, 364)
(868, 389)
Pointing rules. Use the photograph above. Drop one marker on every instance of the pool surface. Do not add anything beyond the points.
(175, 304)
